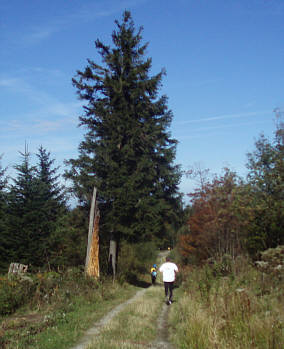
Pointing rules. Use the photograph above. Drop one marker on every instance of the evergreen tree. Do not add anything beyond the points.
(23, 216)
(4, 234)
(36, 201)
(128, 152)
(51, 200)
(52, 192)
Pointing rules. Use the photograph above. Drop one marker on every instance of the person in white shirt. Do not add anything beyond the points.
(169, 271)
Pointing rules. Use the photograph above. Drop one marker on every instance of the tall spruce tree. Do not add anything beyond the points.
(127, 152)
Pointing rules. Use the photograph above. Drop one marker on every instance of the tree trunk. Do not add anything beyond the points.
(112, 257)
(92, 258)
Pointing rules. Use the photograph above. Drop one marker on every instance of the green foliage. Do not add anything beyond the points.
(57, 303)
(128, 152)
(135, 260)
(266, 180)
(14, 292)
(35, 202)
(43, 288)
(68, 240)
(23, 218)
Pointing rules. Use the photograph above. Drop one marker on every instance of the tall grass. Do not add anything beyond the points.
(242, 309)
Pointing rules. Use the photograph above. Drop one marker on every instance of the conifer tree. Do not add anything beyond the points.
(23, 216)
(52, 192)
(4, 234)
(51, 200)
(36, 201)
(127, 152)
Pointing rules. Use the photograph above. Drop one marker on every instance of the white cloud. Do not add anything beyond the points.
(225, 117)
(42, 111)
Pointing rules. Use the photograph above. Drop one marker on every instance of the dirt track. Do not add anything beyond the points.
(161, 341)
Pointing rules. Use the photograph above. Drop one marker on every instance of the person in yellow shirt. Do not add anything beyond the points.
(154, 274)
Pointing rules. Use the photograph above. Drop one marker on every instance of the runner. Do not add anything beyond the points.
(169, 271)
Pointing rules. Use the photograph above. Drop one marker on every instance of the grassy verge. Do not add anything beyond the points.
(244, 309)
(61, 321)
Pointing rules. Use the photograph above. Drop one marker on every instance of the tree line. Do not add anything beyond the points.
(231, 215)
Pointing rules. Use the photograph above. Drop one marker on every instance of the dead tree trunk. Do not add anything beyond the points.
(92, 259)
(112, 257)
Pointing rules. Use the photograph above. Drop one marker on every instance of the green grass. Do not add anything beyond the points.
(58, 309)
(63, 321)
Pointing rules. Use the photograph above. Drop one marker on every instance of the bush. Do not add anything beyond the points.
(13, 294)
(272, 261)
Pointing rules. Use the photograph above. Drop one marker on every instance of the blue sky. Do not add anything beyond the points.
(224, 61)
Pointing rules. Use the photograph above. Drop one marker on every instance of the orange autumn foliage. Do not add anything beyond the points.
(214, 225)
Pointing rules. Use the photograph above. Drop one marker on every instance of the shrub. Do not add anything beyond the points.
(272, 261)
(13, 294)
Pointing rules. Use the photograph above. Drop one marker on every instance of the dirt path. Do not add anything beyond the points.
(161, 341)
(95, 329)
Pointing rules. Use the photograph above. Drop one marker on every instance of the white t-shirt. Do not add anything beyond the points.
(169, 270)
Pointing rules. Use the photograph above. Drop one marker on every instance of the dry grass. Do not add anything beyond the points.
(229, 312)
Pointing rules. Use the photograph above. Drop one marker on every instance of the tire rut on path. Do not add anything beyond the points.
(162, 341)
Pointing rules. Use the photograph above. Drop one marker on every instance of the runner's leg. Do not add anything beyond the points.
(171, 286)
(166, 284)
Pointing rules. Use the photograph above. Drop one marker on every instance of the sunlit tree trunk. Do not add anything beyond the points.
(92, 259)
